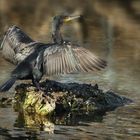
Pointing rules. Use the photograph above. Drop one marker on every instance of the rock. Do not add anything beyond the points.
(58, 98)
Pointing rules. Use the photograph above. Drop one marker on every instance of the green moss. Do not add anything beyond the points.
(33, 101)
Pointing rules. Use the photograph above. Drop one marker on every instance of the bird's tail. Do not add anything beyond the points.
(8, 84)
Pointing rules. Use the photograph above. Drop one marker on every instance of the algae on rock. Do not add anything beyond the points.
(58, 97)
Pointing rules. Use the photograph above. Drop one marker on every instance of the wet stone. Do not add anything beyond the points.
(56, 97)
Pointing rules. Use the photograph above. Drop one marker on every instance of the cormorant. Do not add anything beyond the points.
(59, 57)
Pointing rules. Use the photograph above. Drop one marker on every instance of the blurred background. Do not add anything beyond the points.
(35, 16)
(109, 28)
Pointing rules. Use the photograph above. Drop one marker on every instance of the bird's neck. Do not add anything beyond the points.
(56, 35)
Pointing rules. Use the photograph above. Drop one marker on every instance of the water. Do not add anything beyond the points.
(122, 76)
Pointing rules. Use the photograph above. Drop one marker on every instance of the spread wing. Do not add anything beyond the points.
(61, 59)
(7, 51)
(19, 53)
(16, 45)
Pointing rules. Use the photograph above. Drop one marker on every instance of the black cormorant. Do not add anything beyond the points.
(59, 57)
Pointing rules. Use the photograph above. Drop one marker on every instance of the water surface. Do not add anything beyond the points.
(122, 76)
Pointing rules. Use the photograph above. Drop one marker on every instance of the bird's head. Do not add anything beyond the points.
(56, 25)
(60, 19)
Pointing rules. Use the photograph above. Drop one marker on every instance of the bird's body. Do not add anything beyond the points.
(29, 68)
(59, 57)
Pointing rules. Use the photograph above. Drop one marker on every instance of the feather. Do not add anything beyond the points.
(68, 58)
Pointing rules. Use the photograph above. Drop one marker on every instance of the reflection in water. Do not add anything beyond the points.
(27, 124)
(34, 122)
(122, 75)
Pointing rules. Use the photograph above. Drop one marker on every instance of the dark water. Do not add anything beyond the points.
(122, 76)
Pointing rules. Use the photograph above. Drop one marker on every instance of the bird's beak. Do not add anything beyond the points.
(69, 18)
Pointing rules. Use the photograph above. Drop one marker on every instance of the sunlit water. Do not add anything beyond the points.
(122, 76)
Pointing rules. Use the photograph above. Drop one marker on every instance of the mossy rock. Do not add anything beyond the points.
(58, 97)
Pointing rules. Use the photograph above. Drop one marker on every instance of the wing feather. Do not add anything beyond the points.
(63, 62)
(61, 65)
(89, 61)
(97, 60)
(81, 63)
(66, 62)
(68, 58)
(69, 61)
(86, 63)
(7, 52)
